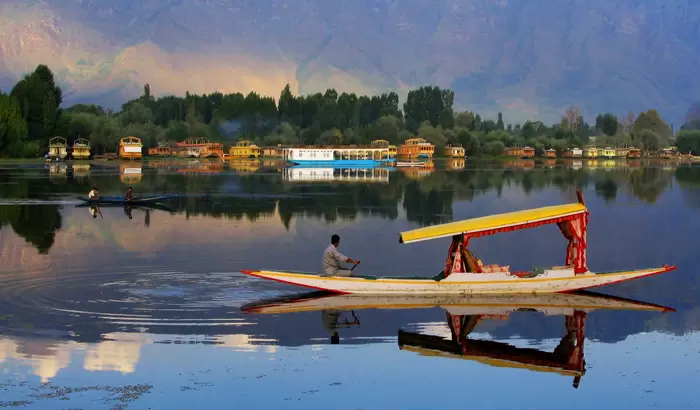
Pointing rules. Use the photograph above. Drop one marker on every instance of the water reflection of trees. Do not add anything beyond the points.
(36, 224)
(253, 196)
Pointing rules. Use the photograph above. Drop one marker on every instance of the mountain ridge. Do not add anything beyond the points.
(524, 58)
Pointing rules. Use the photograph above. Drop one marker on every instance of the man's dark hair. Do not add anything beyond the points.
(335, 239)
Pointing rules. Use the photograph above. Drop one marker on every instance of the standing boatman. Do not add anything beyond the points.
(333, 260)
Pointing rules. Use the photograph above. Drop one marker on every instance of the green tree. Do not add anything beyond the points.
(429, 103)
(688, 141)
(652, 121)
(607, 123)
(464, 119)
(499, 123)
(13, 128)
(39, 99)
(650, 140)
(433, 135)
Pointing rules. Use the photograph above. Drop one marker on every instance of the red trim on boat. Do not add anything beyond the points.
(252, 273)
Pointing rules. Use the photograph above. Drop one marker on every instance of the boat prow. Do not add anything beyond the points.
(550, 281)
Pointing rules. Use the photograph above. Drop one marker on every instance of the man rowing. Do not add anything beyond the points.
(94, 193)
(333, 260)
(129, 195)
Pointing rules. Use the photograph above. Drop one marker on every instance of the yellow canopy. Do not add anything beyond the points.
(512, 220)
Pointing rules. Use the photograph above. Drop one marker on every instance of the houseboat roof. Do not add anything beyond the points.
(245, 143)
(81, 142)
(339, 147)
(57, 141)
(489, 225)
(415, 141)
(131, 140)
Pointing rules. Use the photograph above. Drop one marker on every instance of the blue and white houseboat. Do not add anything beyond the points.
(341, 157)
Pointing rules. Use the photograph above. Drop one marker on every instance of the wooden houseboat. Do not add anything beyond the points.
(162, 150)
(607, 152)
(454, 151)
(590, 152)
(130, 148)
(244, 149)
(271, 152)
(200, 148)
(573, 153)
(516, 152)
(621, 152)
(528, 152)
(416, 148)
(340, 156)
(550, 153)
(385, 144)
(58, 148)
(634, 153)
(81, 149)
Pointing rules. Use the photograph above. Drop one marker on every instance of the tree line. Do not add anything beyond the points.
(31, 114)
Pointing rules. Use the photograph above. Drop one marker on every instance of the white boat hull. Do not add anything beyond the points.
(551, 281)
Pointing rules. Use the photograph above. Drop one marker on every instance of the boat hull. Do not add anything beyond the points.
(551, 281)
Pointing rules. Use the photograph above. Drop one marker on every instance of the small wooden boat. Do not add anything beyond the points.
(120, 200)
(466, 274)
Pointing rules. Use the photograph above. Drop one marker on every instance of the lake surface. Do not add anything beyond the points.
(146, 308)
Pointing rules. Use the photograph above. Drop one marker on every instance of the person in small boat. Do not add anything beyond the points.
(129, 195)
(333, 260)
(94, 193)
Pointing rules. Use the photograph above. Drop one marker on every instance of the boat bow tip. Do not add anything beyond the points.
(248, 271)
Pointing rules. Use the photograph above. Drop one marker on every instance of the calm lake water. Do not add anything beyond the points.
(145, 308)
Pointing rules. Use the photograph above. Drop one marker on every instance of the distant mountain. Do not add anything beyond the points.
(527, 58)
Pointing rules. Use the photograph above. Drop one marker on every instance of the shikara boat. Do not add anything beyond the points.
(466, 274)
(121, 200)
(142, 206)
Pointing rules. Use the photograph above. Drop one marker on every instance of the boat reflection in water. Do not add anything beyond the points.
(330, 174)
(464, 314)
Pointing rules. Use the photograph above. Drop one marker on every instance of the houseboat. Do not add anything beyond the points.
(528, 152)
(244, 149)
(130, 148)
(550, 153)
(58, 148)
(454, 151)
(634, 153)
(200, 148)
(516, 152)
(607, 152)
(621, 152)
(271, 152)
(385, 144)
(354, 157)
(81, 149)
(416, 148)
(302, 174)
(573, 153)
(590, 152)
